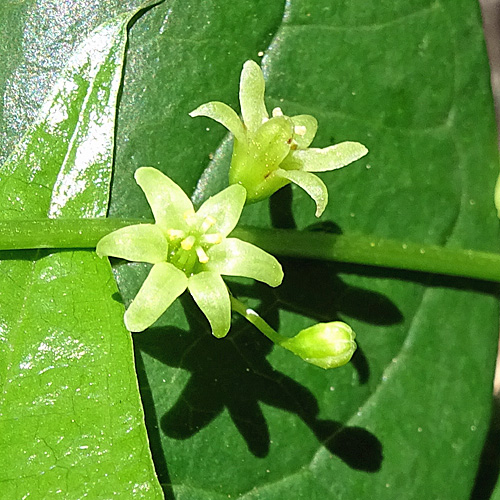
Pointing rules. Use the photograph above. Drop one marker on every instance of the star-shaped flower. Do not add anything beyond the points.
(270, 152)
(188, 250)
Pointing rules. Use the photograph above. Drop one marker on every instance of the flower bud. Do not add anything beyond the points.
(327, 345)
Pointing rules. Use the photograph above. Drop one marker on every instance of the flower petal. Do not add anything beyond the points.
(331, 158)
(162, 286)
(168, 201)
(252, 87)
(223, 114)
(311, 184)
(234, 257)
(139, 243)
(210, 293)
(310, 126)
(225, 208)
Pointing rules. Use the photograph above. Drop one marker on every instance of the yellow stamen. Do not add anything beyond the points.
(277, 112)
(202, 256)
(174, 234)
(190, 217)
(208, 223)
(212, 239)
(187, 243)
(300, 130)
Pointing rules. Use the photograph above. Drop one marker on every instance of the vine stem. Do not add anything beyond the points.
(374, 251)
(356, 249)
(58, 233)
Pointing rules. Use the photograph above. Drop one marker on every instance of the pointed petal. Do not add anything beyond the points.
(252, 87)
(210, 293)
(225, 208)
(234, 257)
(223, 114)
(139, 243)
(168, 201)
(331, 158)
(310, 125)
(311, 184)
(162, 286)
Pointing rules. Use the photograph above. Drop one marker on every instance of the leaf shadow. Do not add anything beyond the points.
(150, 420)
(233, 374)
(315, 289)
(489, 463)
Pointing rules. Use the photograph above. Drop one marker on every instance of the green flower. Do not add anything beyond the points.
(188, 249)
(272, 152)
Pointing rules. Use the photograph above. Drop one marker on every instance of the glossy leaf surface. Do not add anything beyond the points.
(71, 420)
(410, 81)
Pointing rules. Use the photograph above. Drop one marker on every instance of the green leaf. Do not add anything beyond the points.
(410, 81)
(496, 492)
(70, 415)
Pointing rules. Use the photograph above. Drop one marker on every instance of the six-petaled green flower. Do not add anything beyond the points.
(188, 250)
(270, 152)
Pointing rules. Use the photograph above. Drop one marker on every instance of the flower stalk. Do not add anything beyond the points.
(327, 345)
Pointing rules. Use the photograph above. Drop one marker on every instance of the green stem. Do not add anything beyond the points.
(356, 249)
(58, 233)
(251, 316)
(373, 251)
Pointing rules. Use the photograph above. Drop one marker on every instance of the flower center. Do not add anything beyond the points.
(189, 248)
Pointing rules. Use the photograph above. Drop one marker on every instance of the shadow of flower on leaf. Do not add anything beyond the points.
(233, 374)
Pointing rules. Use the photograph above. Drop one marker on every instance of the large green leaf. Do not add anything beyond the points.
(71, 422)
(408, 79)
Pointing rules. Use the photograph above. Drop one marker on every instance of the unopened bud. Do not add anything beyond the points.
(327, 345)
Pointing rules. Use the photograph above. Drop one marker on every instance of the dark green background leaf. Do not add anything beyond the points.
(408, 417)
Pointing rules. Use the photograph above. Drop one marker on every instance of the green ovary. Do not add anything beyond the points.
(256, 159)
(188, 249)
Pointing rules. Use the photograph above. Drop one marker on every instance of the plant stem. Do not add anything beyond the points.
(356, 249)
(373, 251)
(58, 233)
(251, 316)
